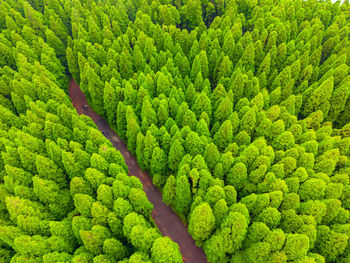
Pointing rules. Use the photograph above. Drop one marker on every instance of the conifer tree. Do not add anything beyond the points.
(224, 135)
(176, 153)
(238, 111)
(183, 196)
(202, 222)
(318, 99)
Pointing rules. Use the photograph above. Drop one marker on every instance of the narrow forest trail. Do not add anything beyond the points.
(165, 218)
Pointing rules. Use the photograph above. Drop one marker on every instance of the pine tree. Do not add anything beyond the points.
(96, 89)
(337, 102)
(150, 142)
(191, 14)
(138, 59)
(225, 68)
(319, 98)
(176, 153)
(169, 190)
(223, 111)
(164, 249)
(202, 222)
(148, 115)
(158, 161)
(196, 68)
(202, 104)
(132, 128)
(125, 64)
(110, 102)
(183, 196)
(56, 43)
(121, 120)
(224, 135)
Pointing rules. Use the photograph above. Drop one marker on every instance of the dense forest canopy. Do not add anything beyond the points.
(239, 109)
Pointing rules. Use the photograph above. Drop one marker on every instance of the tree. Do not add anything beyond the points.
(122, 207)
(168, 15)
(47, 169)
(80, 186)
(96, 88)
(132, 129)
(224, 135)
(143, 238)
(169, 190)
(194, 144)
(231, 195)
(93, 240)
(176, 153)
(225, 69)
(337, 102)
(319, 98)
(191, 14)
(83, 203)
(201, 222)
(283, 141)
(214, 249)
(150, 143)
(183, 196)
(202, 127)
(159, 162)
(114, 248)
(148, 115)
(125, 64)
(211, 155)
(330, 243)
(138, 59)
(32, 245)
(296, 246)
(110, 102)
(248, 57)
(258, 252)
(204, 63)
(233, 231)
(248, 121)
(163, 84)
(270, 216)
(99, 163)
(139, 201)
(312, 189)
(51, 257)
(130, 221)
(164, 250)
(130, 94)
(163, 112)
(223, 111)
(202, 104)
(196, 68)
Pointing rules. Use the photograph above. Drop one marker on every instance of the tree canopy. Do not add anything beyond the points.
(238, 109)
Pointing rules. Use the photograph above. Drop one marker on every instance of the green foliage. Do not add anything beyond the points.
(183, 196)
(169, 190)
(143, 238)
(238, 109)
(296, 246)
(164, 250)
(176, 153)
(114, 248)
(202, 222)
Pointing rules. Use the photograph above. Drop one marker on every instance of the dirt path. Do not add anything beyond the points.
(167, 221)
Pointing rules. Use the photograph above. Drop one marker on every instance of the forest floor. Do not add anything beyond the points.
(167, 221)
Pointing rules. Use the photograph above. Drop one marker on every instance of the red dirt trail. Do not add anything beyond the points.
(165, 218)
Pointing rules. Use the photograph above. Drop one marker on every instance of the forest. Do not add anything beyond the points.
(238, 109)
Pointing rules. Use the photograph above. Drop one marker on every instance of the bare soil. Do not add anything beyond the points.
(167, 221)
